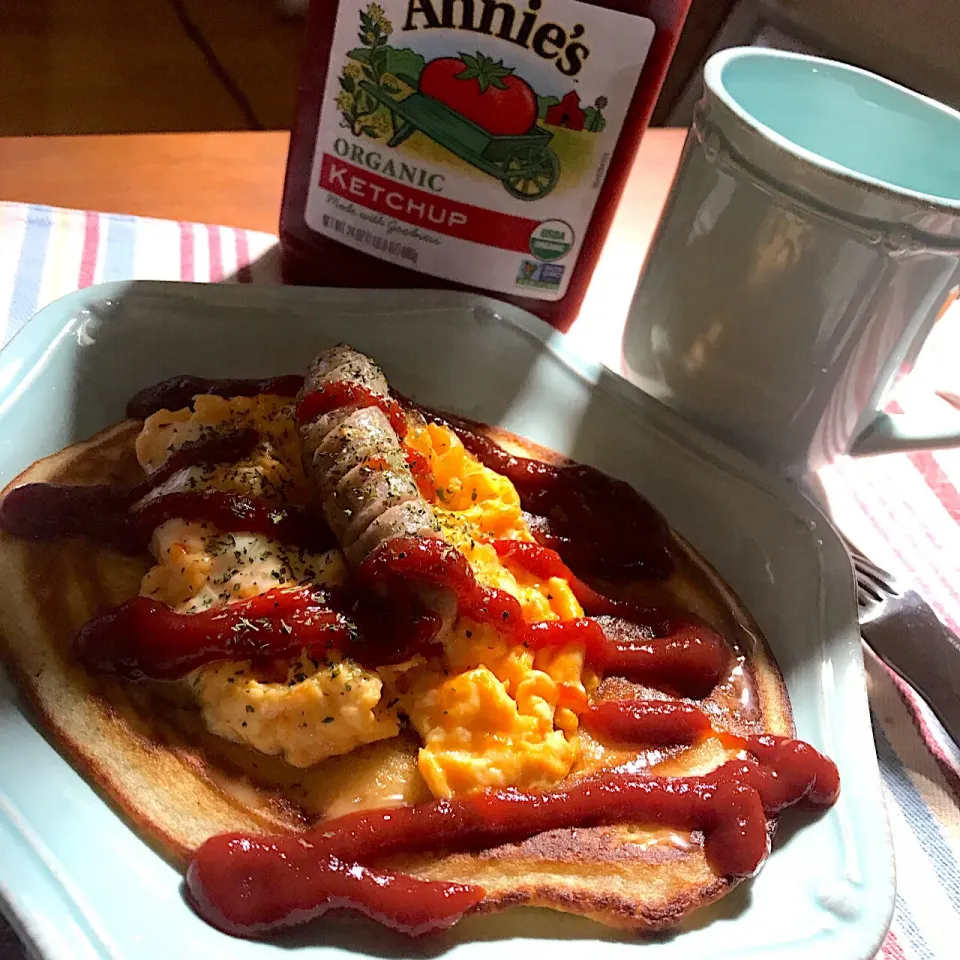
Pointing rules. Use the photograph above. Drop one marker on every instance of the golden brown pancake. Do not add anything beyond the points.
(147, 748)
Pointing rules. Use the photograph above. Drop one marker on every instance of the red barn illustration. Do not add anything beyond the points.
(567, 113)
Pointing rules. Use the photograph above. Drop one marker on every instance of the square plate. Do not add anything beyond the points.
(79, 884)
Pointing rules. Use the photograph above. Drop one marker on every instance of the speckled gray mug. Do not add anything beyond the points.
(811, 239)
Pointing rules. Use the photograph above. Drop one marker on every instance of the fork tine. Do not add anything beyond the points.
(866, 566)
(867, 595)
(874, 574)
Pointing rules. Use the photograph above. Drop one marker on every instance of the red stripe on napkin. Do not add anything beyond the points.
(933, 475)
(186, 251)
(883, 515)
(938, 482)
(243, 257)
(891, 948)
(930, 739)
(216, 254)
(88, 253)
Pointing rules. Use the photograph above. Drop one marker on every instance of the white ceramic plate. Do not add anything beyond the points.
(79, 884)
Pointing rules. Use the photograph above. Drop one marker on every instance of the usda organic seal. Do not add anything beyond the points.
(551, 240)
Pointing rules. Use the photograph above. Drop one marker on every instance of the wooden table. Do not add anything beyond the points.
(237, 179)
(230, 178)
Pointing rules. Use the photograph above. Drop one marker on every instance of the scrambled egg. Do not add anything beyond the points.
(274, 469)
(491, 713)
(495, 714)
(199, 568)
(323, 707)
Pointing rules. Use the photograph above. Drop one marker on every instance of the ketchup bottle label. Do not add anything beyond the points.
(469, 139)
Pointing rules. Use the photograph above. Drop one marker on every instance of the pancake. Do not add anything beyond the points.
(148, 750)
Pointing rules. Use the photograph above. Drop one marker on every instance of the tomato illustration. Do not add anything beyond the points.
(482, 90)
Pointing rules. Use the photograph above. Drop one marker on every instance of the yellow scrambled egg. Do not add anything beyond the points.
(273, 471)
(323, 707)
(495, 714)
(491, 713)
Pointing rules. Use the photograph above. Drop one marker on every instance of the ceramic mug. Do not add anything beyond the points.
(810, 241)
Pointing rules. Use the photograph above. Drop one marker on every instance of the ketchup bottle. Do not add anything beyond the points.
(476, 145)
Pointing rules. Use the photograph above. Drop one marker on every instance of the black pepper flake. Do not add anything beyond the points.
(250, 709)
(244, 723)
(327, 720)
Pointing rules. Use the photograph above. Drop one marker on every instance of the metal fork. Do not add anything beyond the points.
(902, 629)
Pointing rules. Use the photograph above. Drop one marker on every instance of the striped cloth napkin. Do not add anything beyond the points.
(48, 252)
(901, 510)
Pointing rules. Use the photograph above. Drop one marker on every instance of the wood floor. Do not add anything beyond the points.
(112, 66)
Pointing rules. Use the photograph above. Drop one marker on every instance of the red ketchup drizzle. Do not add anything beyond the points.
(247, 885)
(655, 723)
(597, 524)
(236, 513)
(789, 772)
(144, 639)
(545, 563)
(284, 891)
(343, 393)
(395, 623)
(687, 658)
(422, 474)
(685, 661)
(431, 560)
(51, 511)
(178, 392)
(640, 643)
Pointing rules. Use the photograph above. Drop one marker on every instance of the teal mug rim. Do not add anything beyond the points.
(714, 84)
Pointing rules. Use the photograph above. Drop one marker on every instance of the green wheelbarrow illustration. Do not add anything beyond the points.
(523, 163)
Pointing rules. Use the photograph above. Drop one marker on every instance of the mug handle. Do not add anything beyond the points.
(900, 432)
(890, 433)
